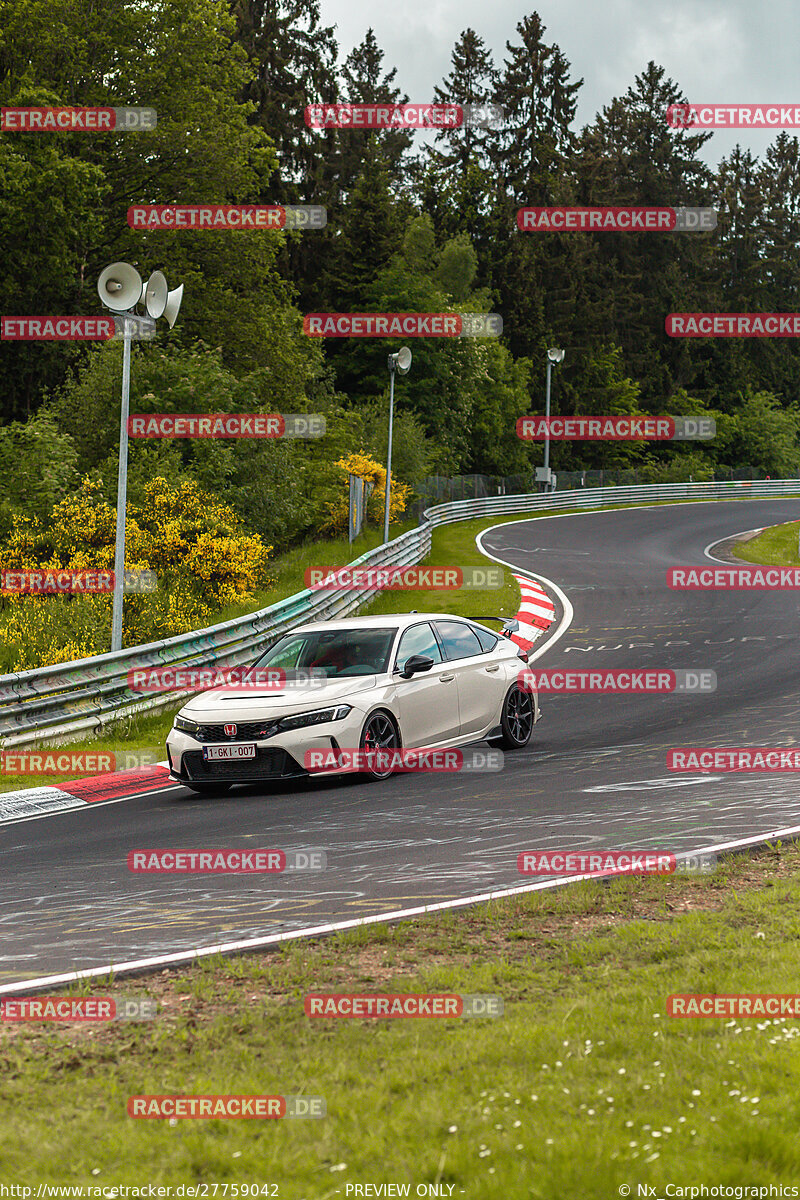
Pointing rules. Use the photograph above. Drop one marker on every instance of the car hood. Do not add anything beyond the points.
(291, 698)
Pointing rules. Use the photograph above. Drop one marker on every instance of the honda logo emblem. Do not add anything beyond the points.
(230, 730)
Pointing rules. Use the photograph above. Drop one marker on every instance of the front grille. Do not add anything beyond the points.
(268, 764)
(250, 732)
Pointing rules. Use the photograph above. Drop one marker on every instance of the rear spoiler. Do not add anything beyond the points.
(510, 624)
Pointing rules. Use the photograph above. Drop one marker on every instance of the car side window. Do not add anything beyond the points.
(458, 640)
(419, 639)
(487, 639)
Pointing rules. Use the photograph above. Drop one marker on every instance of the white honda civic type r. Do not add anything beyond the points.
(365, 684)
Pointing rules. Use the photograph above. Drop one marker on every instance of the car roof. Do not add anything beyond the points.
(388, 621)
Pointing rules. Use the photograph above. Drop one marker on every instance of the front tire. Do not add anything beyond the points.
(516, 720)
(379, 733)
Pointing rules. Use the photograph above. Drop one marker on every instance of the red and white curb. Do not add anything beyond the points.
(536, 615)
(76, 793)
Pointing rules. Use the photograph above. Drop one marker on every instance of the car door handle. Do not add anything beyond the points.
(446, 678)
(496, 667)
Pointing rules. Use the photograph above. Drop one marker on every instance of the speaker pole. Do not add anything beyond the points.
(120, 288)
(122, 487)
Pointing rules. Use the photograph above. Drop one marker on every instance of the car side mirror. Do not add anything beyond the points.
(511, 625)
(415, 664)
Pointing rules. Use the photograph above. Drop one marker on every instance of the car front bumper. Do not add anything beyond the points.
(283, 756)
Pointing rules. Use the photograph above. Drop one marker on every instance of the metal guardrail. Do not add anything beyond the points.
(460, 510)
(50, 704)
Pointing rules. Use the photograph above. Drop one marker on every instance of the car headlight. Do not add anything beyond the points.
(186, 725)
(320, 716)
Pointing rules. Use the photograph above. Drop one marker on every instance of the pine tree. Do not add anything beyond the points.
(631, 156)
(293, 60)
(363, 81)
(529, 158)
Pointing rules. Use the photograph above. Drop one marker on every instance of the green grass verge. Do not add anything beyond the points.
(777, 546)
(582, 1088)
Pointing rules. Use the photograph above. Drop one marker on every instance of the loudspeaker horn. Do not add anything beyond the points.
(173, 305)
(120, 287)
(155, 295)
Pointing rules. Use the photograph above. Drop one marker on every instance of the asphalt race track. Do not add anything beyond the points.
(594, 774)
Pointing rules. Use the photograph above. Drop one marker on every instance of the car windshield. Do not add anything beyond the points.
(337, 652)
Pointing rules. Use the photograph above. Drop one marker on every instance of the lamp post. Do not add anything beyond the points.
(554, 355)
(120, 289)
(401, 361)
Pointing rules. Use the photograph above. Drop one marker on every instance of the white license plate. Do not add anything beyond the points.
(239, 750)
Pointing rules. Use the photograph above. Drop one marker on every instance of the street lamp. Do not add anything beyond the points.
(554, 355)
(401, 361)
(120, 289)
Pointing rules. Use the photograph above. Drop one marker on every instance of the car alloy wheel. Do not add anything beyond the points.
(379, 733)
(517, 720)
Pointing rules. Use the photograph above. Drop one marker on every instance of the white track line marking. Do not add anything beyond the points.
(707, 552)
(188, 956)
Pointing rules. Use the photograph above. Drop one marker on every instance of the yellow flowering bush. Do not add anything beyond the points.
(192, 541)
(370, 471)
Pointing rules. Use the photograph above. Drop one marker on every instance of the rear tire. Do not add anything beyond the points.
(516, 720)
(379, 733)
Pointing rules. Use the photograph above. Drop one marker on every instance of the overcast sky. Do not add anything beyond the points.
(720, 51)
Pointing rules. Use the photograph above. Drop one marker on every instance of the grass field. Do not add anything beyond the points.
(777, 546)
(582, 1088)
